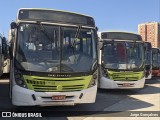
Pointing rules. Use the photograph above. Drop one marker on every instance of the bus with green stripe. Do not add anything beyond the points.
(53, 58)
(121, 60)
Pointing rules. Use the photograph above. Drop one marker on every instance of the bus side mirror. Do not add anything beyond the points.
(96, 28)
(4, 46)
(13, 26)
(10, 52)
(144, 48)
(100, 44)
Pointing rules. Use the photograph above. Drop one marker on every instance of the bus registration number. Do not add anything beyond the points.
(49, 83)
(126, 85)
(59, 97)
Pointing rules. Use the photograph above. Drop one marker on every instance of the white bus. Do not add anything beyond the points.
(53, 58)
(148, 60)
(4, 56)
(121, 60)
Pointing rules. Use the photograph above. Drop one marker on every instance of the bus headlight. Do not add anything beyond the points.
(95, 76)
(94, 79)
(19, 79)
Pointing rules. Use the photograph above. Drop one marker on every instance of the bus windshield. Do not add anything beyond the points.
(148, 57)
(122, 55)
(48, 48)
(156, 58)
(148, 53)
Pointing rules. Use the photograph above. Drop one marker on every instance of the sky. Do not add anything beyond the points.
(122, 15)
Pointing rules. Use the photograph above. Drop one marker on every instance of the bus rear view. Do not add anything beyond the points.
(53, 58)
(121, 61)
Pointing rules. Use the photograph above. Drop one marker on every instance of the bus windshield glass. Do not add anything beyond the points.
(156, 58)
(48, 48)
(122, 55)
(148, 54)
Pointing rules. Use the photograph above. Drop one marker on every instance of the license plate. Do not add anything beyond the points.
(49, 83)
(126, 85)
(59, 97)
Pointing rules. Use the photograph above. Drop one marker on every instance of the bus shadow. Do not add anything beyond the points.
(129, 104)
(154, 80)
(151, 87)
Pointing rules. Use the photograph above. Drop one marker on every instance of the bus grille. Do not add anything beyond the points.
(54, 88)
(56, 85)
(126, 76)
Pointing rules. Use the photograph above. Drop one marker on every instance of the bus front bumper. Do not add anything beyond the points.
(25, 97)
(106, 83)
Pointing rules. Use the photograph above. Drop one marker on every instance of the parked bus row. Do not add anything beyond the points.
(122, 62)
(56, 58)
(126, 61)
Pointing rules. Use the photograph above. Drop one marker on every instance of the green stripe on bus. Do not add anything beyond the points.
(37, 83)
(125, 75)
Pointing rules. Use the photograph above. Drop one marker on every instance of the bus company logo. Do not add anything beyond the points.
(6, 114)
(14, 114)
(59, 75)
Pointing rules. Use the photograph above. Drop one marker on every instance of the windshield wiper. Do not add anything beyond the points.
(76, 36)
(44, 31)
(132, 60)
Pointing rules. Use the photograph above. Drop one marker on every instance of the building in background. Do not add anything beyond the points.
(150, 32)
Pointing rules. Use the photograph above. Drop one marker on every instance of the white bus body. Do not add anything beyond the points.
(47, 73)
(115, 72)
